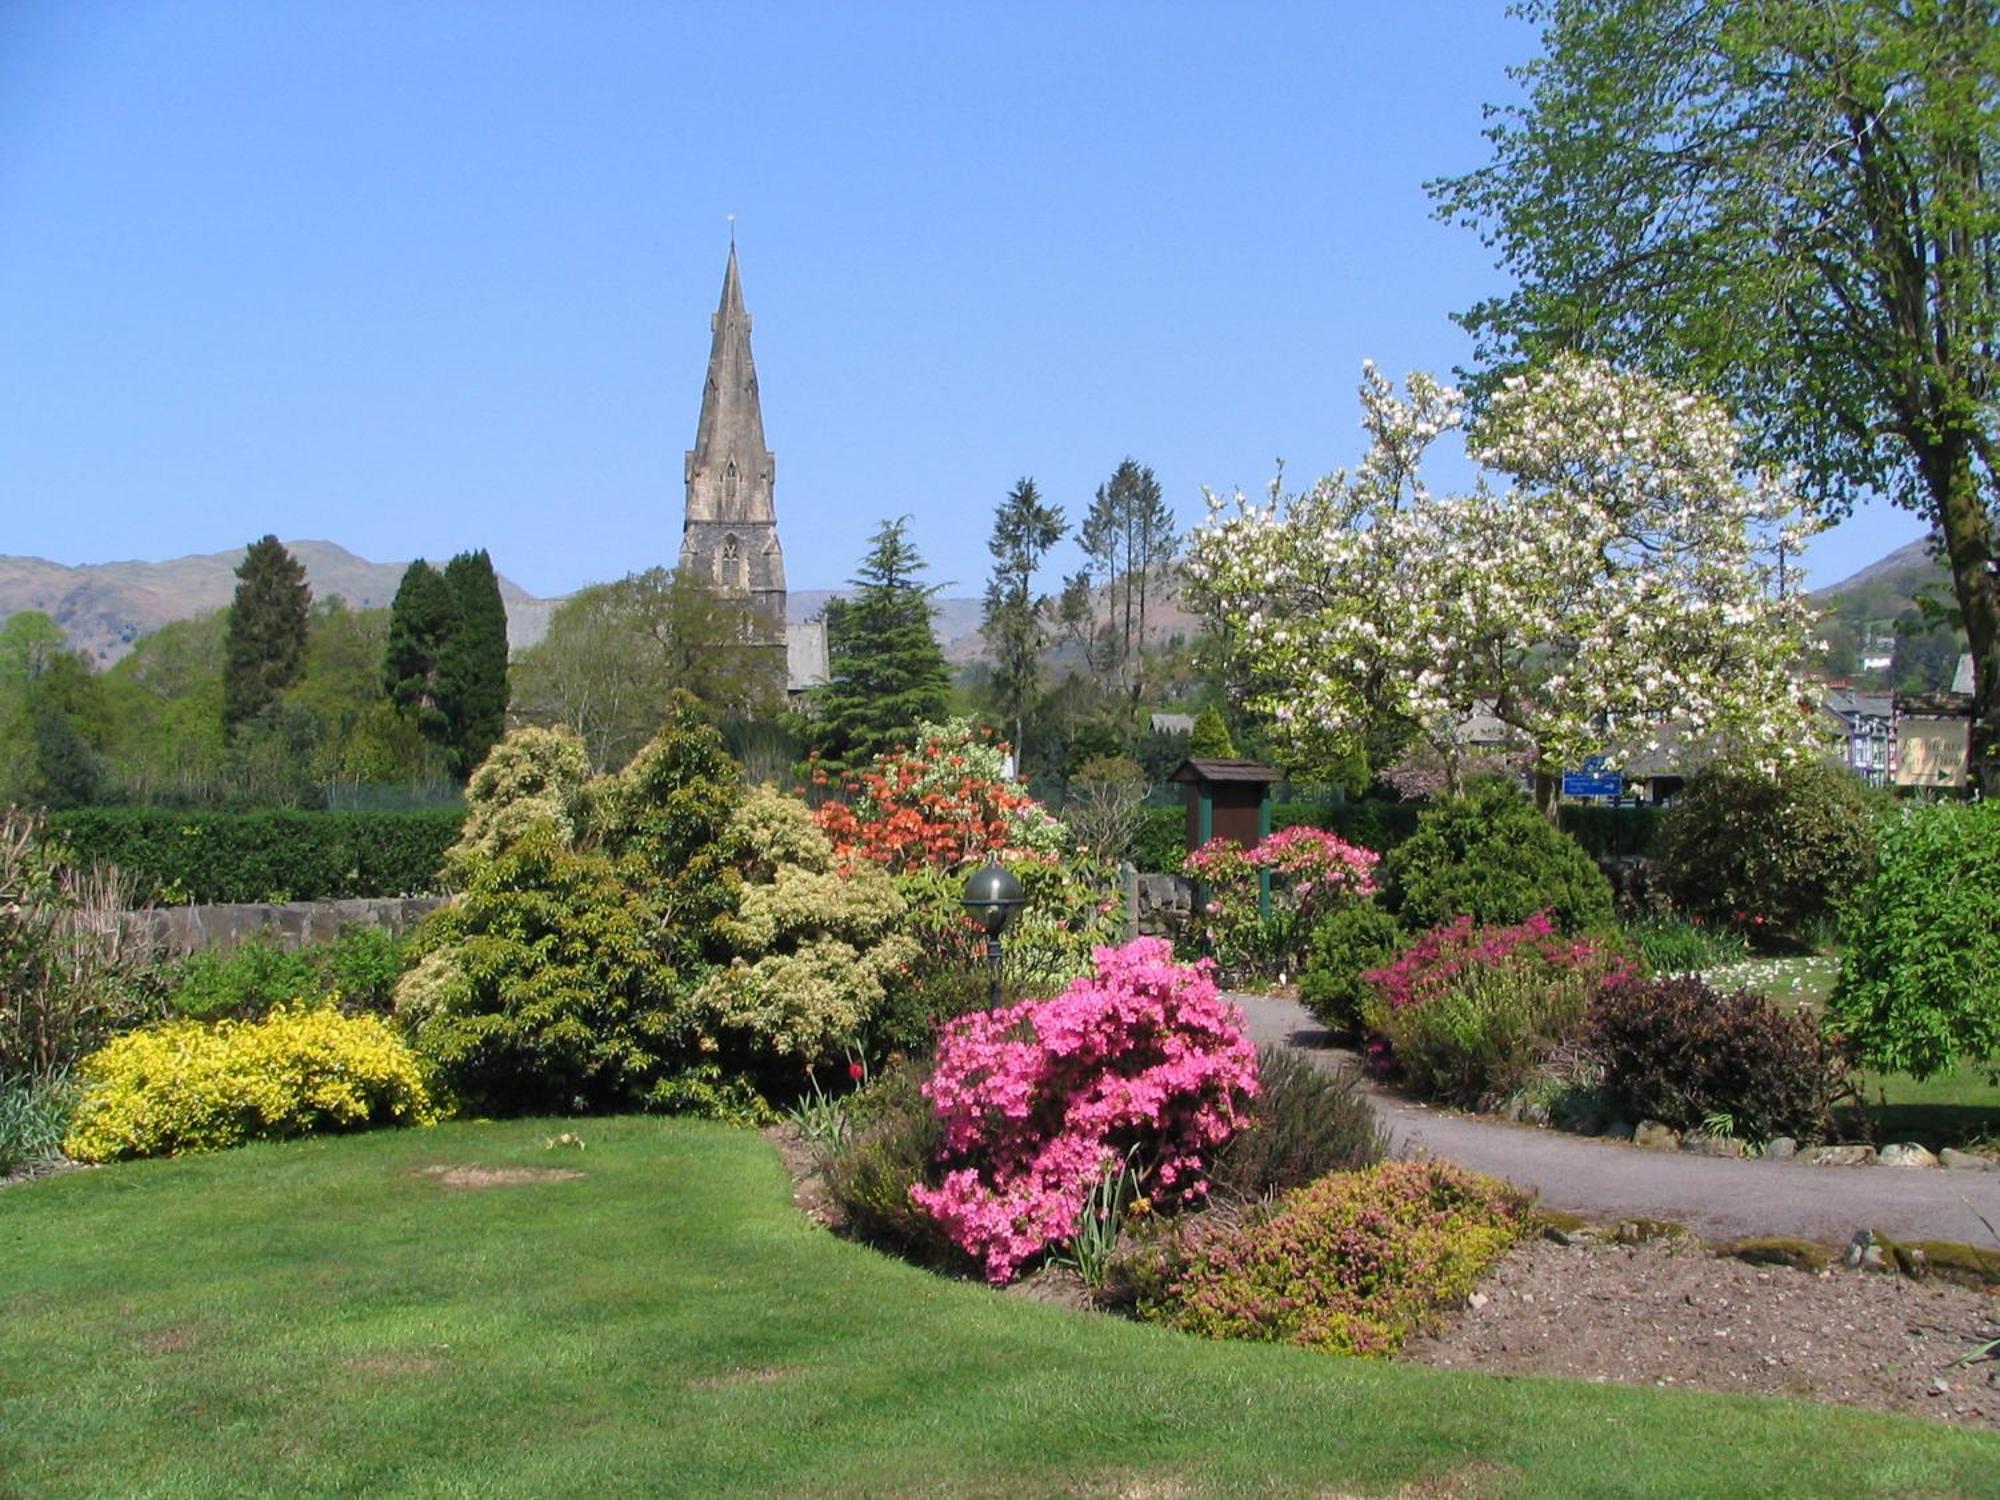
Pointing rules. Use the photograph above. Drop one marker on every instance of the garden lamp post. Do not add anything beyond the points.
(992, 895)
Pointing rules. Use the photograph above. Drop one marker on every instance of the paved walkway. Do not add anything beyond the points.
(1715, 1197)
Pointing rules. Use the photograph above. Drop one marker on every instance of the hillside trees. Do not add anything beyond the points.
(266, 642)
(1024, 529)
(615, 654)
(1129, 542)
(887, 673)
(1793, 204)
(1623, 582)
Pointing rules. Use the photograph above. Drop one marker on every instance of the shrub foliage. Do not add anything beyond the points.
(175, 857)
(1767, 851)
(1490, 856)
(1353, 938)
(1676, 1051)
(182, 1086)
(1305, 1122)
(1920, 987)
(1352, 1264)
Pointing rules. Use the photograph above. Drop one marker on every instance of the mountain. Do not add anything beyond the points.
(105, 607)
(1887, 586)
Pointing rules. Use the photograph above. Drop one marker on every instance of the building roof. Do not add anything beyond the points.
(1224, 770)
(1173, 723)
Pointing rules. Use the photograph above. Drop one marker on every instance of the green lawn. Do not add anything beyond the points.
(1954, 1108)
(327, 1318)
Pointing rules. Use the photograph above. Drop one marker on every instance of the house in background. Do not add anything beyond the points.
(1867, 723)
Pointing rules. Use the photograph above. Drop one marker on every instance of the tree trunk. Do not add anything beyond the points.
(1548, 795)
(1968, 543)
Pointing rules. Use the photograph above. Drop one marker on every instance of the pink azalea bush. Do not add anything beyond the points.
(1437, 961)
(1313, 871)
(1038, 1099)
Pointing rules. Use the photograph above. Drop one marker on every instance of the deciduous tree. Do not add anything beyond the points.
(1794, 204)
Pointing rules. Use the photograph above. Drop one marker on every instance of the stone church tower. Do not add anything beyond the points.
(731, 530)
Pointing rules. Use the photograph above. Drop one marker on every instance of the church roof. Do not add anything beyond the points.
(731, 427)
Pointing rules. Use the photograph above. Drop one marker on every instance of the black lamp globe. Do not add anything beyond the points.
(992, 895)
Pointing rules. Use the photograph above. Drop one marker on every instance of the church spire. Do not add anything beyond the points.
(730, 532)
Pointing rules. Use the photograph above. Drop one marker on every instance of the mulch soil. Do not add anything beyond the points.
(1671, 1312)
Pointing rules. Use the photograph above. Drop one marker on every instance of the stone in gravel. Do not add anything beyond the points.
(1841, 1156)
(1907, 1154)
(1864, 1252)
(1711, 1145)
(1780, 1148)
(1953, 1160)
(1653, 1136)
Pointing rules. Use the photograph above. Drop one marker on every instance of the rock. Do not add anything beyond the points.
(1864, 1252)
(1711, 1145)
(1964, 1161)
(1840, 1156)
(1476, 1301)
(1618, 1130)
(1653, 1136)
(1780, 1148)
(1906, 1154)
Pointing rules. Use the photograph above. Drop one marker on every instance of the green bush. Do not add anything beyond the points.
(1159, 840)
(1371, 823)
(893, 1141)
(1486, 1036)
(1612, 832)
(1305, 1122)
(1768, 852)
(179, 857)
(357, 970)
(1676, 1051)
(1920, 987)
(1351, 939)
(1491, 856)
(1352, 1264)
(182, 1086)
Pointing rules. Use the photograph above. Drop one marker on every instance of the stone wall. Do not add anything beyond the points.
(291, 924)
(1157, 905)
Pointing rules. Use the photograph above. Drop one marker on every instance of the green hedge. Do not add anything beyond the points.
(1604, 832)
(203, 857)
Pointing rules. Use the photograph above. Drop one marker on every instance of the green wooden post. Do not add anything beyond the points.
(1263, 832)
(1205, 818)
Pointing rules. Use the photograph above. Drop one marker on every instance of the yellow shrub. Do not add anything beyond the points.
(184, 1086)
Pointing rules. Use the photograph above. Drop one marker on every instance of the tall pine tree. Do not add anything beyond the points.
(266, 645)
(887, 673)
(1130, 539)
(472, 663)
(1023, 531)
(422, 622)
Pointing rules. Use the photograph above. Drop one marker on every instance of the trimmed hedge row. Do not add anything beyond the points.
(1604, 832)
(203, 857)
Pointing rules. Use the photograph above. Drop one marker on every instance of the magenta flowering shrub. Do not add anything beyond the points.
(1312, 871)
(1436, 962)
(1037, 1099)
(1471, 1015)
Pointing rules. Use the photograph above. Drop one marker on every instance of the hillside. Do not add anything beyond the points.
(1887, 586)
(105, 607)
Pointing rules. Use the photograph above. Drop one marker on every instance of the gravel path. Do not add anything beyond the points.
(1715, 1197)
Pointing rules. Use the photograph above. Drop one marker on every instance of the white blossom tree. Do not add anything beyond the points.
(1610, 585)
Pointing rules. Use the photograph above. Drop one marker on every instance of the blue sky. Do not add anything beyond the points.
(422, 277)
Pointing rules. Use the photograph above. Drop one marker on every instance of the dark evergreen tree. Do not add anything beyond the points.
(422, 621)
(887, 673)
(473, 661)
(1023, 531)
(266, 646)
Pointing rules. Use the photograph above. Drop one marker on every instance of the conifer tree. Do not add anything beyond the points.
(422, 621)
(1023, 531)
(473, 661)
(1210, 740)
(887, 673)
(266, 647)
